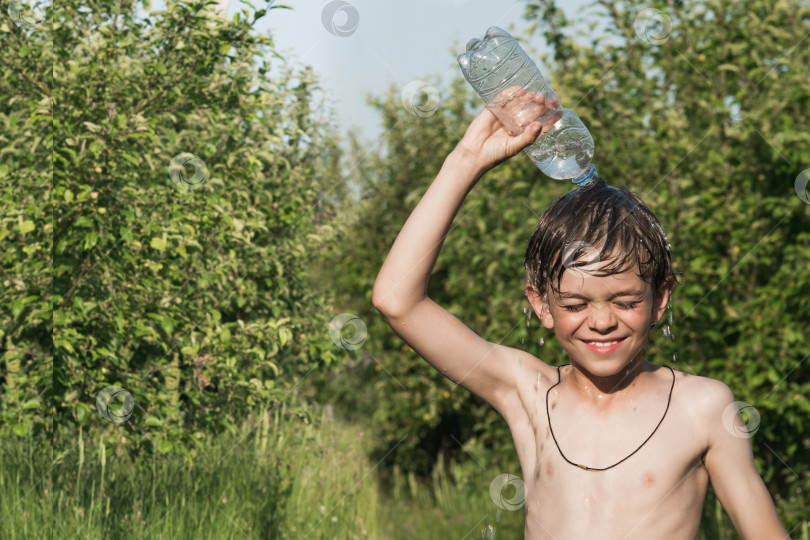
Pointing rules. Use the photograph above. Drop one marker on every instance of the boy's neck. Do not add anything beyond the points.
(600, 389)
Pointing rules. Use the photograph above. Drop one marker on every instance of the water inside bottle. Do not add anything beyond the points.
(562, 161)
(565, 151)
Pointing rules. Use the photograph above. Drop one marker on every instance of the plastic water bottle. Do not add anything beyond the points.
(515, 91)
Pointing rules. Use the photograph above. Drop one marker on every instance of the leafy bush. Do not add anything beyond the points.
(190, 170)
(26, 226)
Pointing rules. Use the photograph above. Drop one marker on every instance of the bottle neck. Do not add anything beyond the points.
(587, 176)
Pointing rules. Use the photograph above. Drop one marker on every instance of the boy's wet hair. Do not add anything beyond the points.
(591, 224)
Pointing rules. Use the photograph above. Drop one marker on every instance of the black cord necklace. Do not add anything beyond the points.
(585, 467)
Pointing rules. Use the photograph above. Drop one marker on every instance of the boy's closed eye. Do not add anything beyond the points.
(621, 305)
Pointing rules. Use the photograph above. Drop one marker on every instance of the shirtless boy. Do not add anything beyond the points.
(612, 445)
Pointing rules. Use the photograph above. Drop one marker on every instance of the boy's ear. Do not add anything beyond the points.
(540, 305)
(662, 300)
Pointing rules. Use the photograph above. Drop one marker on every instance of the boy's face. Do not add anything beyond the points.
(602, 322)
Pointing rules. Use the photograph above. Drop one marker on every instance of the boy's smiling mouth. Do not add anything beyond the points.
(603, 345)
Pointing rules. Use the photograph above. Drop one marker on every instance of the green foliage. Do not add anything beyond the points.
(709, 126)
(26, 227)
(188, 288)
(255, 482)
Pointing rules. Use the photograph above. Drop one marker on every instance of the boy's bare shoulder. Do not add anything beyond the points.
(703, 391)
(702, 398)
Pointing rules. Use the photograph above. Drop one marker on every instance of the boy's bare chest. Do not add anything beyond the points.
(649, 458)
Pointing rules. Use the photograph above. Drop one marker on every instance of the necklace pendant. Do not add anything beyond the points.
(583, 467)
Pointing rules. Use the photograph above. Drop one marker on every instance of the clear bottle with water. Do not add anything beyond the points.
(515, 91)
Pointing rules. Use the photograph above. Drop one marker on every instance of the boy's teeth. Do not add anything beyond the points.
(603, 343)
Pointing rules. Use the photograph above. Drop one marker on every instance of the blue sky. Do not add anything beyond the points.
(363, 47)
(385, 43)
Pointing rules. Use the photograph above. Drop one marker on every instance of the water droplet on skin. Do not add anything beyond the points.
(539, 380)
(666, 330)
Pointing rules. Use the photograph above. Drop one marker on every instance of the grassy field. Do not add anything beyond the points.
(273, 479)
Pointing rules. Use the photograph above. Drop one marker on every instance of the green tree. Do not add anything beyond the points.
(191, 166)
(699, 106)
(26, 228)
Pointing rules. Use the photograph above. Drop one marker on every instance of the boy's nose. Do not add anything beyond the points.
(602, 319)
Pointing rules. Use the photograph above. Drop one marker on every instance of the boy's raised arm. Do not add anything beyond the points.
(400, 291)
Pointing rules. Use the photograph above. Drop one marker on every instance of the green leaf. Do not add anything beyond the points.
(125, 234)
(34, 403)
(224, 48)
(284, 335)
(131, 159)
(225, 335)
(90, 240)
(82, 413)
(164, 447)
(153, 421)
(272, 366)
(158, 244)
(20, 430)
(26, 226)
(95, 128)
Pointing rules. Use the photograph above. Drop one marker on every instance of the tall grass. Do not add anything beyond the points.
(272, 479)
(453, 504)
(26, 489)
(276, 477)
